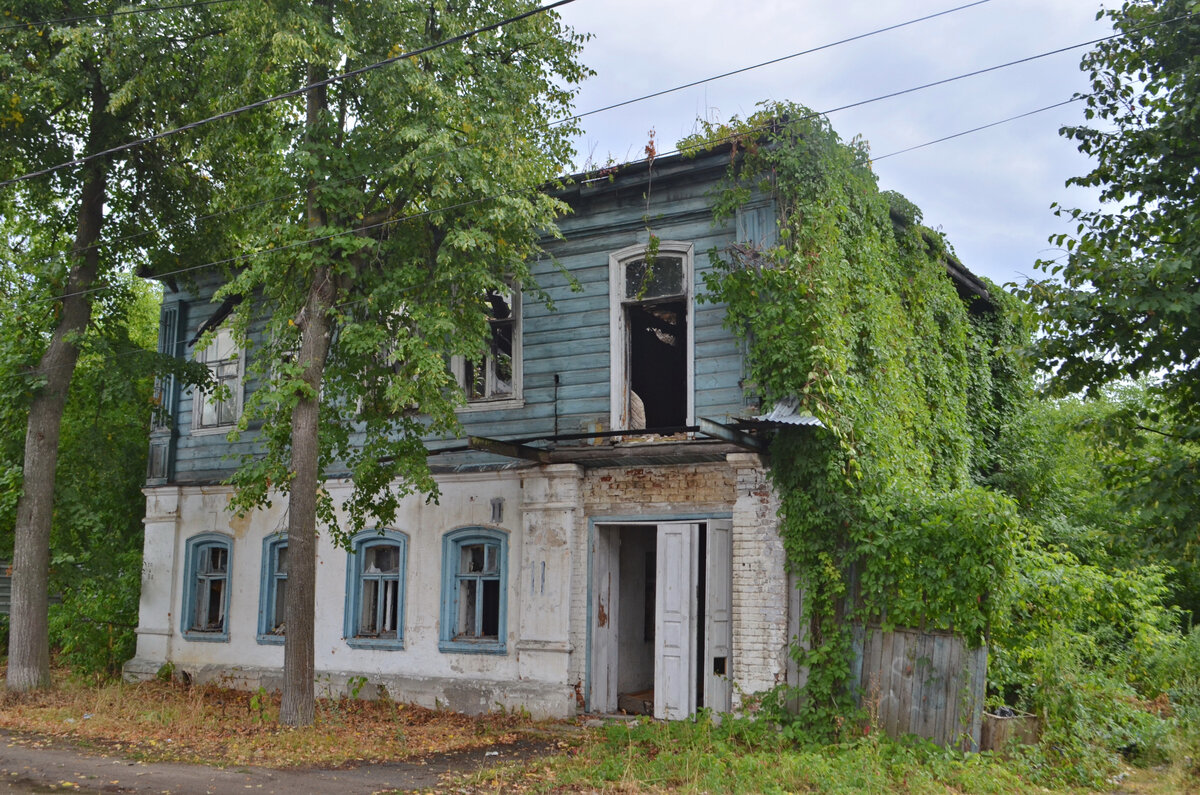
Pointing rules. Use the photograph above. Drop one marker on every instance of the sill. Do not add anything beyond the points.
(378, 644)
(205, 637)
(213, 431)
(485, 646)
(270, 640)
(491, 405)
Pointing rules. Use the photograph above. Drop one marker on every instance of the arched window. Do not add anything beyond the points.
(474, 590)
(375, 590)
(207, 562)
(272, 593)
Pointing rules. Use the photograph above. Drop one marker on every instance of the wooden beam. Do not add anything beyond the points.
(508, 449)
(740, 438)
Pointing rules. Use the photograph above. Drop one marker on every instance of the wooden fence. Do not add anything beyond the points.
(924, 683)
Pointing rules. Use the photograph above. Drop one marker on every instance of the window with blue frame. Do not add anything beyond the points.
(474, 590)
(272, 595)
(207, 559)
(375, 590)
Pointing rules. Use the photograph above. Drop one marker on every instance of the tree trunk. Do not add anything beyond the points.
(316, 330)
(29, 644)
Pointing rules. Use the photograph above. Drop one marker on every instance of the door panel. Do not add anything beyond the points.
(674, 658)
(718, 695)
(606, 589)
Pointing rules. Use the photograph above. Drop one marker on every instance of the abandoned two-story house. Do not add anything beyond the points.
(608, 538)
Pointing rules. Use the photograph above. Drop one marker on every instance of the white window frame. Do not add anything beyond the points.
(199, 396)
(513, 400)
(619, 339)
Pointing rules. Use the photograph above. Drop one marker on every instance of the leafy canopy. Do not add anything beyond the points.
(1125, 303)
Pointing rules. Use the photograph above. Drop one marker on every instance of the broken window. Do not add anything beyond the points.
(272, 607)
(220, 407)
(652, 339)
(473, 610)
(495, 376)
(376, 617)
(206, 601)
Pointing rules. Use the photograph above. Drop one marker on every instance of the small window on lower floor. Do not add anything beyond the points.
(375, 590)
(474, 590)
(206, 590)
(272, 595)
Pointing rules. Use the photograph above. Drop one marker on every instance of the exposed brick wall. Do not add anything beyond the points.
(659, 489)
(760, 582)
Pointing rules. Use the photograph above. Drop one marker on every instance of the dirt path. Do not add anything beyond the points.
(33, 763)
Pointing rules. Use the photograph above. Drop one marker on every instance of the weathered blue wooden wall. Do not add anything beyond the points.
(674, 200)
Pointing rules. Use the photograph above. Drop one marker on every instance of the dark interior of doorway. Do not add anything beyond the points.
(636, 618)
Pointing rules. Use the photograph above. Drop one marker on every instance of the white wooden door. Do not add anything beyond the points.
(606, 590)
(718, 576)
(675, 619)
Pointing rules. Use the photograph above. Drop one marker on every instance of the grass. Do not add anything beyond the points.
(162, 721)
(741, 756)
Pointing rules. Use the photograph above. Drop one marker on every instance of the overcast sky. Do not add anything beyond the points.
(990, 191)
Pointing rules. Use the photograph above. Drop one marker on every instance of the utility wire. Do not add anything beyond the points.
(594, 111)
(771, 62)
(981, 127)
(149, 9)
(710, 143)
(286, 95)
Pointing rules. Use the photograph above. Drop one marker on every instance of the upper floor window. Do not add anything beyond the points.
(272, 594)
(474, 590)
(220, 407)
(375, 590)
(497, 375)
(206, 587)
(652, 381)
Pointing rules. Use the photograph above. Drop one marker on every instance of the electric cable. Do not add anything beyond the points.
(79, 161)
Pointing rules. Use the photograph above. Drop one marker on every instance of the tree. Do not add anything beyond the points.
(75, 88)
(416, 190)
(1127, 303)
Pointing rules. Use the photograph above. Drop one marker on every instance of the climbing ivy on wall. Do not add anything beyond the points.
(883, 512)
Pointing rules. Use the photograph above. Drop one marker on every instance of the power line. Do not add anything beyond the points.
(713, 142)
(643, 98)
(147, 10)
(981, 127)
(773, 61)
(286, 95)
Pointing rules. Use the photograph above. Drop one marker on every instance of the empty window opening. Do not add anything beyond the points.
(493, 377)
(657, 364)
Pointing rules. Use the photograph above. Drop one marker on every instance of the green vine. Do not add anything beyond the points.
(884, 514)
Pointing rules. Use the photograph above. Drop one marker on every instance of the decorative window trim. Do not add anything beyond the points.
(516, 398)
(354, 589)
(452, 544)
(199, 396)
(618, 339)
(268, 588)
(191, 561)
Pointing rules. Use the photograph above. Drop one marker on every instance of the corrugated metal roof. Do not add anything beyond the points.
(786, 412)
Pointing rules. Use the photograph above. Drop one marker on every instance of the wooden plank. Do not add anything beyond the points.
(509, 450)
(888, 717)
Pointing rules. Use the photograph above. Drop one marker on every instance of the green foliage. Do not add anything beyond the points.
(853, 315)
(415, 191)
(1124, 302)
(96, 537)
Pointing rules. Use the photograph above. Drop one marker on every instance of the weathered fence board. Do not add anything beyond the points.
(924, 683)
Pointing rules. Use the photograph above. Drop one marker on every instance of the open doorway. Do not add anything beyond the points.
(660, 618)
